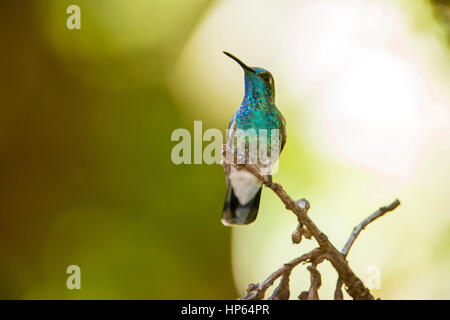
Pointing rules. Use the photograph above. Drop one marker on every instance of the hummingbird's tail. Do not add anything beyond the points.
(236, 213)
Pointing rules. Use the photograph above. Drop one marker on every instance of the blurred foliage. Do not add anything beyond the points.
(442, 13)
(86, 176)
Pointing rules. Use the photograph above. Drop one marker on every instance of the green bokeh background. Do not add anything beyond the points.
(85, 171)
(86, 175)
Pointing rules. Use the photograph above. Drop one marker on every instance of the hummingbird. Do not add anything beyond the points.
(257, 111)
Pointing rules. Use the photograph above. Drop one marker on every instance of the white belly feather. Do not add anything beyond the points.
(245, 185)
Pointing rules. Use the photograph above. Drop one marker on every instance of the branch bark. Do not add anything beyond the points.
(316, 282)
(354, 286)
(257, 291)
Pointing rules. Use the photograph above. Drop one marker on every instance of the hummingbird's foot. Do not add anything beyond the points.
(224, 160)
(240, 159)
(269, 182)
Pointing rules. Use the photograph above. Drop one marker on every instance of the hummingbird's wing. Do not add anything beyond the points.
(243, 190)
(283, 131)
(231, 131)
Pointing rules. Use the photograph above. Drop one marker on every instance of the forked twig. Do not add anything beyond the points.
(307, 227)
(355, 233)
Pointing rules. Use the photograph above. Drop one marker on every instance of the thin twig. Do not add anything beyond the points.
(357, 230)
(355, 233)
(257, 291)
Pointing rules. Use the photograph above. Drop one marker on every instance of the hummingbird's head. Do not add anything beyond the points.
(258, 81)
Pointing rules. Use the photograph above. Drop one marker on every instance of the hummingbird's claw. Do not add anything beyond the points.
(269, 181)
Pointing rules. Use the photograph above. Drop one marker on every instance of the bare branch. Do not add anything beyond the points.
(308, 228)
(338, 292)
(357, 230)
(257, 291)
(316, 282)
(301, 231)
(282, 291)
(355, 233)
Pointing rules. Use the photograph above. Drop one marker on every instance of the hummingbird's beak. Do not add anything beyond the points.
(243, 65)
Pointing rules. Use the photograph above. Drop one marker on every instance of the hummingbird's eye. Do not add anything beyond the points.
(265, 77)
